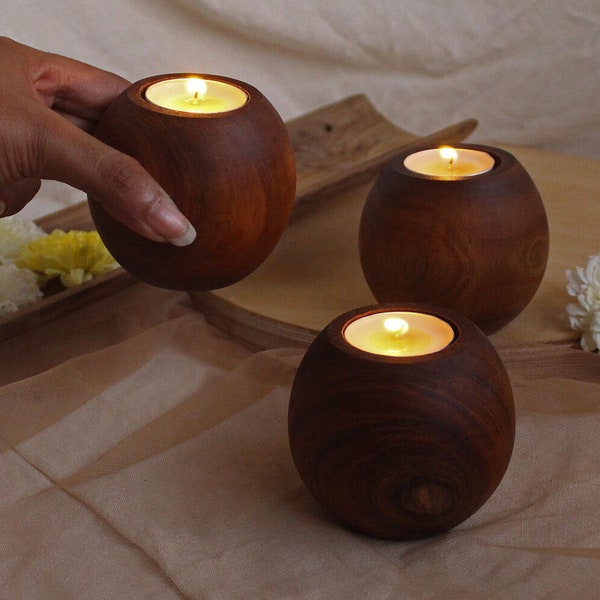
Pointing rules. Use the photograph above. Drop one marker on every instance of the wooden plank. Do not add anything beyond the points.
(314, 274)
(339, 149)
(344, 144)
(64, 302)
(73, 217)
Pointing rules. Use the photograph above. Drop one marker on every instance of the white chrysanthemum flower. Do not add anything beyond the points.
(15, 233)
(591, 337)
(18, 288)
(584, 316)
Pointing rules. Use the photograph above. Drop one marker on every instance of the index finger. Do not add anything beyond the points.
(73, 87)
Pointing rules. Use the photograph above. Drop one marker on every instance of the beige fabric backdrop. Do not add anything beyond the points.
(156, 465)
(526, 70)
(143, 454)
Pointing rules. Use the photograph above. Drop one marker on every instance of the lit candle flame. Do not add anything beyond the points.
(396, 326)
(197, 89)
(449, 154)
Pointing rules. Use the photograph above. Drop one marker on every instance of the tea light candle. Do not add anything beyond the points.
(449, 163)
(401, 448)
(196, 95)
(399, 333)
(453, 229)
(192, 141)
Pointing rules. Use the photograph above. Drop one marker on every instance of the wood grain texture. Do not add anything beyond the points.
(232, 174)
(478, 245)
(401, 448)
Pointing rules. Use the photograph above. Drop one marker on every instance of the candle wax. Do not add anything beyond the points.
(197, 105)
(407, 344)
(182, 94)
(461, 162)
(421, 333)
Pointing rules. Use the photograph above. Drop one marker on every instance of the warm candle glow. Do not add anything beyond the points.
(449, 154)
(399, 333)
(398, 327)
(196, 87)
(449, 163)
(197, 91)
(196, 95)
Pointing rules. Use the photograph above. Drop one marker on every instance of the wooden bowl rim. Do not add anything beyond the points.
(466, 333)
(136, 94)
(503, 161)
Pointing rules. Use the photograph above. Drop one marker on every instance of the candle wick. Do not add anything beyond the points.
(450, 164)
(399, 333)
(397, 327)
(195, 99)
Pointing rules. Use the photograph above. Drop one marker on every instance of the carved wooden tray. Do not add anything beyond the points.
(303, 284)
(338, 148)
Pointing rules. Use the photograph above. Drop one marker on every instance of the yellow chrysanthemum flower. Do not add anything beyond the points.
(74, 256)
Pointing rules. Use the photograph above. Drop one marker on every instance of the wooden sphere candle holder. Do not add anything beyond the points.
(231, 173)
(477, 244)
(401, 447)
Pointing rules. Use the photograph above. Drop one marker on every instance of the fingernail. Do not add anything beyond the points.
(166, 216)
(186, 239)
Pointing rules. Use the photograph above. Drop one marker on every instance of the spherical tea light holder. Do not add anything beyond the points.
(469, 233)
(401, 441)
(225, 157)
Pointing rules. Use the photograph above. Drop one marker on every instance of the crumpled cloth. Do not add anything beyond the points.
(156, 465)
(143, 454)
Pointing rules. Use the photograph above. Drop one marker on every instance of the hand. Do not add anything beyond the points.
(47, 104)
